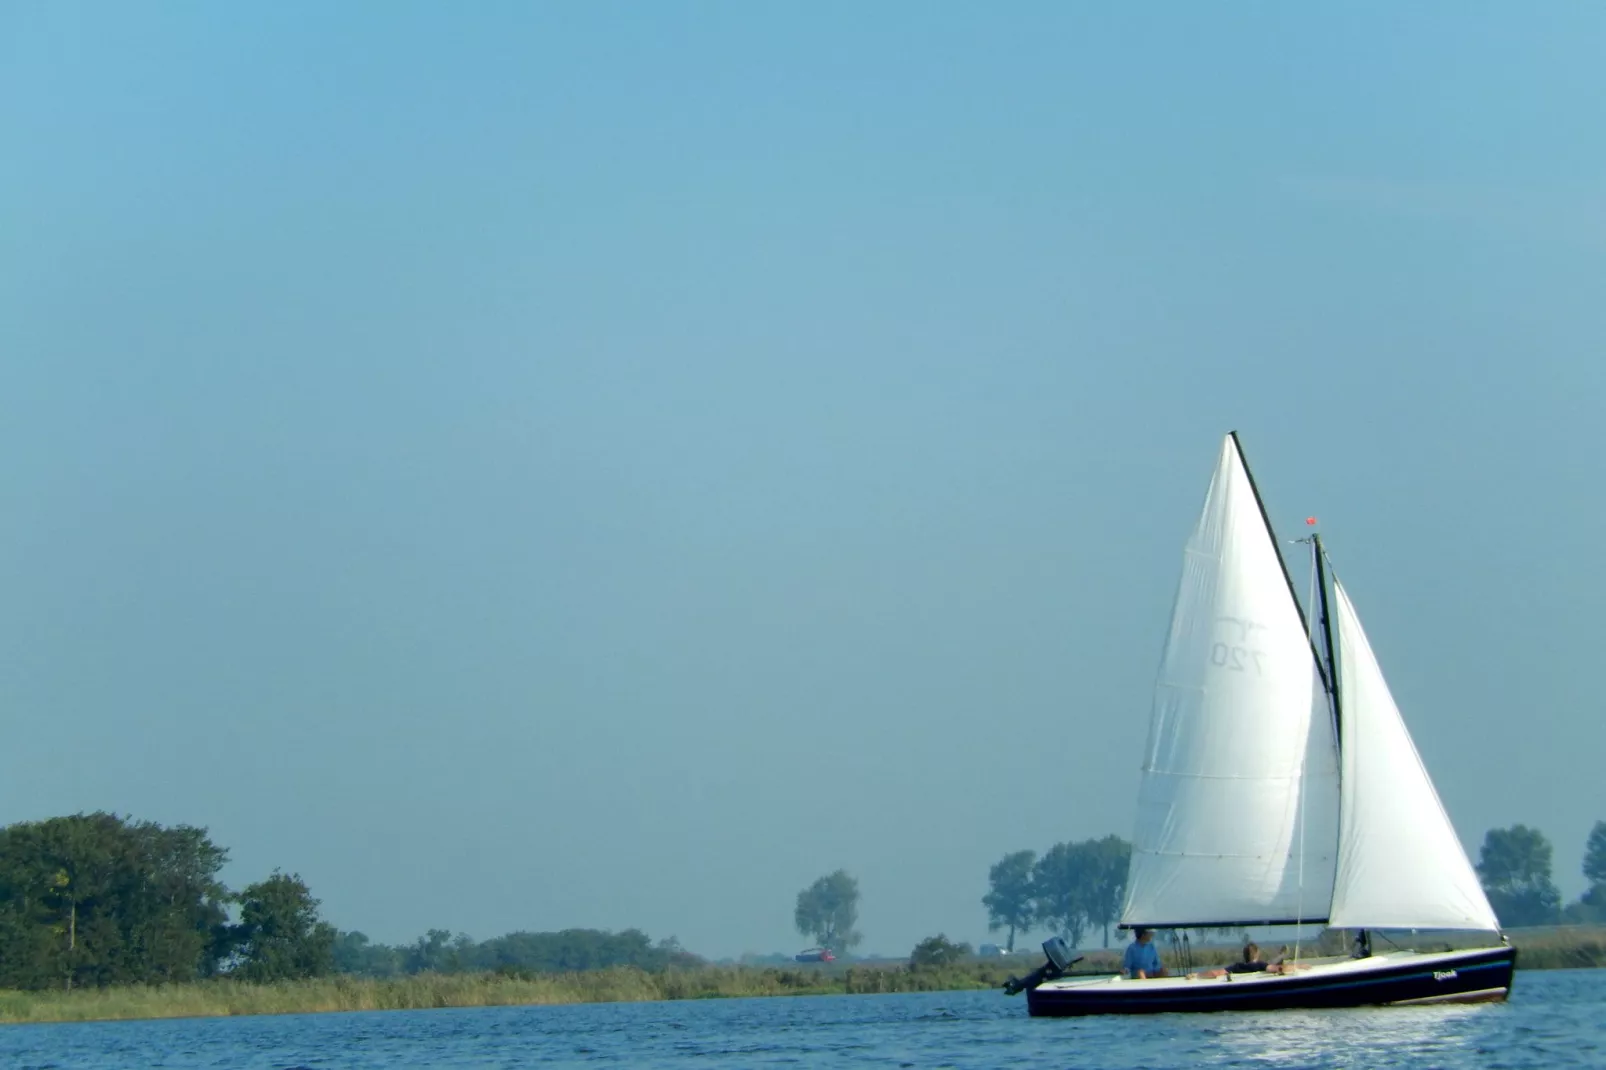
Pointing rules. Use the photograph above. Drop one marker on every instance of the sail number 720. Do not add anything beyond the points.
(1236, 658)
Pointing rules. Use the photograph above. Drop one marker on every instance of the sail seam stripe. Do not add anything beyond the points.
(1219, 924)
(1207, 855)
(1221, 776)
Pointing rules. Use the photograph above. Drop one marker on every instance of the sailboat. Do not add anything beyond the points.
(1281, 787)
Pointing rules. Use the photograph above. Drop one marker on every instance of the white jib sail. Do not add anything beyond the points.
(1400, 863)
(1219, 832)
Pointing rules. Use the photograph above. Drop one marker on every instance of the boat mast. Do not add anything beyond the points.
(1271, 533)
(1327, 637)
(1363, 940)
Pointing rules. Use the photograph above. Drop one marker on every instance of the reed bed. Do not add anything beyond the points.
(1565, 947)
(223, 998)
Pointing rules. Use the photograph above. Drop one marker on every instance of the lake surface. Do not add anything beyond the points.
(1556, 1018)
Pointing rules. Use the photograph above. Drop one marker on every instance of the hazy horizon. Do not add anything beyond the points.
(528, 467)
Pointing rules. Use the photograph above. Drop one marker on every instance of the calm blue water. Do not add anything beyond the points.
(1554, 1019)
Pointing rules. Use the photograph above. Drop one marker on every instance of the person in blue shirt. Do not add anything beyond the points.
(1142, 958)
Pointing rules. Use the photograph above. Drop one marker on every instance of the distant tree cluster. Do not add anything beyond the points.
(1515, 868)
(938, 951)
(1591, 906)
(827, 911)
(1073, 887)
(571, 950)
(280, 936)
(97, 899)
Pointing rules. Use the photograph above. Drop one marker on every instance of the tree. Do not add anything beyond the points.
(183, 904)
(1076, 885)
(828, 909)
(1107, 861)
(437, 952)
(1010, 903)
(354, 953)
(280, 936)
(1514, 866)
(97, 899)
(1059, 892)
(1591, 906)
(1595, 855)
(87, 856)
(937, 951)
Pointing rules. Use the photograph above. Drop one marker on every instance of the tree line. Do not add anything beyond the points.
(98, 899)
(1076, 887)
(569, 951)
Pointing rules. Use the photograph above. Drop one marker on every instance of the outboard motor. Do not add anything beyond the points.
(1059, 961)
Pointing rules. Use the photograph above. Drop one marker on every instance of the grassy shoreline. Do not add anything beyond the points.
(225, 998)
(1539, 949)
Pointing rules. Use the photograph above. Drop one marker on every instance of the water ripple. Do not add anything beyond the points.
(1556, 1019)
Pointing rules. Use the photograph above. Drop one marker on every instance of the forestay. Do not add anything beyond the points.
(1400, 863)
(1219, 836)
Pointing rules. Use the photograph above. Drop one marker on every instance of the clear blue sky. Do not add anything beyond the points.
(525, 466)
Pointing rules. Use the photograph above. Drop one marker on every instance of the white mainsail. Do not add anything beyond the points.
(1220, 838)
(1400, 863)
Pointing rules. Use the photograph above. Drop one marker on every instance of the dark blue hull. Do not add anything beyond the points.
(1459, 977)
